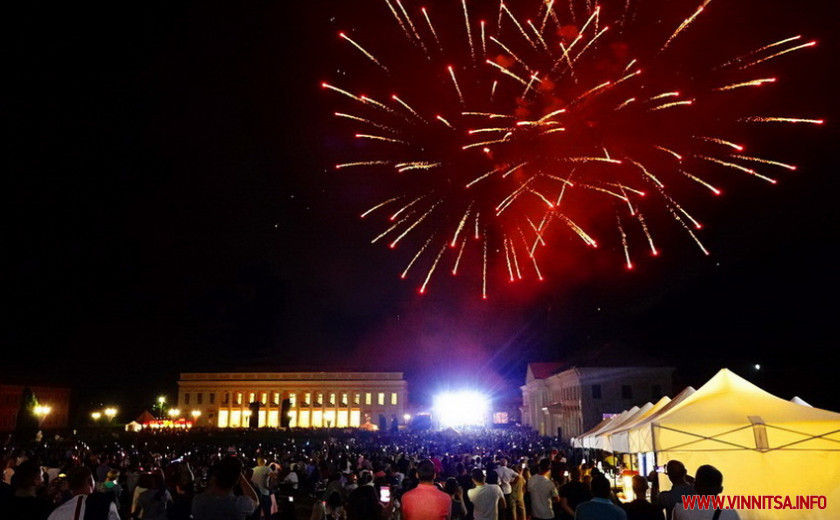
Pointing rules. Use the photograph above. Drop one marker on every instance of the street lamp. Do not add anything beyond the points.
(110, 412)
(174, 412)
(196, 414)
(42, 412)
(160, 405)
(96, 416)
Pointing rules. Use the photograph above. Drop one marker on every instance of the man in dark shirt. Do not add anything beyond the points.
(23, 502)
(640, 508)
(572, 494)
(679, 486)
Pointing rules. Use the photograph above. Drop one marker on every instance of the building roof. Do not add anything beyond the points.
(544, 370)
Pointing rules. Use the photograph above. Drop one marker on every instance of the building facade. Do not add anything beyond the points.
(315, 399)
(53, 406)
(567, 402)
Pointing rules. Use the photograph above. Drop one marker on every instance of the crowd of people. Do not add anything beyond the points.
(327, 475)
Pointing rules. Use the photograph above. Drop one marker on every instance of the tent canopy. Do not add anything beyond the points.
(763, 445)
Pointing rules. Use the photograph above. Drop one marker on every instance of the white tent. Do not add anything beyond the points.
(640, 436)
(590, 438)
(604, 438)
(798, 400)
(577, 442)
(620, 438)
(763, 445)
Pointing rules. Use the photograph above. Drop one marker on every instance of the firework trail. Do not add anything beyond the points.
(557, 120)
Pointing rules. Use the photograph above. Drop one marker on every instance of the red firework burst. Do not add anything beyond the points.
(516, 131)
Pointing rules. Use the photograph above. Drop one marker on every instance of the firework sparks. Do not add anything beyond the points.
(370, 56)
(764, 119)
(484, 163)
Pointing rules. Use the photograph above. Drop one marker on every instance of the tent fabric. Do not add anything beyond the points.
(620, 437)
(798, 400)
(604, 438)
(763, 445)
(588, 441)
(640, 436)
(577, 442)
(146, 417)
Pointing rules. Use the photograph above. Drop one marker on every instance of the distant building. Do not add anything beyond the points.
(567, 402)
(54, 405)
(315, 399)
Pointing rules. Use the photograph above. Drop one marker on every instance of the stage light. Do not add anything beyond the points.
(465, 408)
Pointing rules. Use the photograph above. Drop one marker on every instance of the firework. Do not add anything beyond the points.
(559, 119)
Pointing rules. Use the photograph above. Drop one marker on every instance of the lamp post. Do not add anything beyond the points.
(96, 416)
(195, 415)
(110, 413)
(160, 405)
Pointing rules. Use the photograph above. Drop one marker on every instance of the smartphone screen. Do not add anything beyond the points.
(385, 494)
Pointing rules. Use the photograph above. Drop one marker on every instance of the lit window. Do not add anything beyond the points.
(357, 398)
(319, 401)
(381, 399)
(307, 397)
(393, 398)
(332, 399)
(251, 397)
(344, 399)
(368, 399)
(343, 421)
(223, 418)
(275, 398)
(317, 419)
(264, 398)
(292, 400)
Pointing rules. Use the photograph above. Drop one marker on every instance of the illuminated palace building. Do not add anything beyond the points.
(315, 399)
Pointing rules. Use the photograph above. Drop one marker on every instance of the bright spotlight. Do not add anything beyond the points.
(461, 408)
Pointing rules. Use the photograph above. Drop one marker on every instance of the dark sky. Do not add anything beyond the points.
(170, 205)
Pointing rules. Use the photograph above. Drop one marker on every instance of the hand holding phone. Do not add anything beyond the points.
(385, 494)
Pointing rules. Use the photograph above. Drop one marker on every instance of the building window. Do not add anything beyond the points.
(238, 398)
(307, 397)
(264, 398)
(187, 398)
(332, 398)
(319, 401)
(275, 398)
(292, 400)
(226, 399)
(596, 391)
(381, 399)
(626, 392)
(357, 398)
(212, 398)
(343, 399)
(199, 398)
(251, 397)
(393, 398)
(368, 398)
(656, 392)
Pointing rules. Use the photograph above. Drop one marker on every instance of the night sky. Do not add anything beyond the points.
(170, 205)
